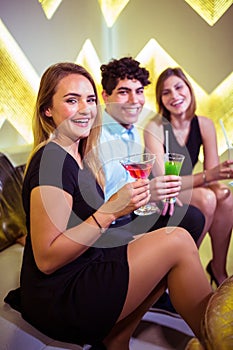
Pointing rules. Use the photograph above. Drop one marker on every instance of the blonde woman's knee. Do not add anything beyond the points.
(182, 237)
(178, 239)
(166, 240)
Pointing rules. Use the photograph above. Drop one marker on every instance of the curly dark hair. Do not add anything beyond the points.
(125, 67)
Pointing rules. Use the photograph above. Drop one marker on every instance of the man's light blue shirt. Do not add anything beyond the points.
(117, 142)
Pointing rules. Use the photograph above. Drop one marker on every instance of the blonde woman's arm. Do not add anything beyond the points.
(53, 244)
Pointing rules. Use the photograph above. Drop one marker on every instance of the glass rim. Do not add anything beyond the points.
(129, 158)
(178, 155)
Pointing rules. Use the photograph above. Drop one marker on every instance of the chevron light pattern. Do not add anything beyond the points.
(17, 104)
(50, 7)
(111, 9)
(210, 10)
(19, 82)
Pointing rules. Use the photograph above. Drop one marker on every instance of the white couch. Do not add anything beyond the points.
(15, 333)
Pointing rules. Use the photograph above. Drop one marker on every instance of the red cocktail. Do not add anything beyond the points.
(138, 170)
(139, 166)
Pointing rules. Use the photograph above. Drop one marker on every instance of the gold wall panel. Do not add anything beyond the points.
(210, 10)
(19, 82)
(217, 105)
(49, 7)
(18, 85)
(111, 9)
(18, 95)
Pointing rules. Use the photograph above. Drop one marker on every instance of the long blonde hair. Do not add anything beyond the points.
(44, 127)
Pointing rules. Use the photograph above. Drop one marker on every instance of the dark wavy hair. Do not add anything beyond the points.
(167, 73)
(124, 68)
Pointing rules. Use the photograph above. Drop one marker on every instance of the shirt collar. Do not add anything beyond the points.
(113, 126)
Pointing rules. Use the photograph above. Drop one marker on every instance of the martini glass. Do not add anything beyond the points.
(173, 163)
(139, 166)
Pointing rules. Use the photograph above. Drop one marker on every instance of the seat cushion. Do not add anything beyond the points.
(15, 333)
(12, 216)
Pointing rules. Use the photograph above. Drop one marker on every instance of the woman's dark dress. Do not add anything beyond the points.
(191, 149)
(81, 301)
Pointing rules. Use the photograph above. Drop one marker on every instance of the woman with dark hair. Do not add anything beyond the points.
(186, 133)
(81, 280)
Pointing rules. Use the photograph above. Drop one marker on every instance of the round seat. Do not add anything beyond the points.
(217, 327)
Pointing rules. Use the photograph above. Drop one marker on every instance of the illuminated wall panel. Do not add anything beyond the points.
(210, 10)
(19, 82)
(18, 85)
(50, 7)
(221, 107)
(111, 9)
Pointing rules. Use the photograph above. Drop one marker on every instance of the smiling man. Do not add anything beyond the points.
(123, 83)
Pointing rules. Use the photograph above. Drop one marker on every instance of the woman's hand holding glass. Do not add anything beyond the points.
(165, 187)
(172, 164)
(130, 197)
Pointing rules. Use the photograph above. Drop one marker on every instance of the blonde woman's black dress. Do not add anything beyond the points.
(81, 301)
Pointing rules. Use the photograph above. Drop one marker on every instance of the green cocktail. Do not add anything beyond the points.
(172, 167)
(173, 163)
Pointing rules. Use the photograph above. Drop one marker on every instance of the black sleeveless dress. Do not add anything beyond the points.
(81, 301)
(192, 148)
